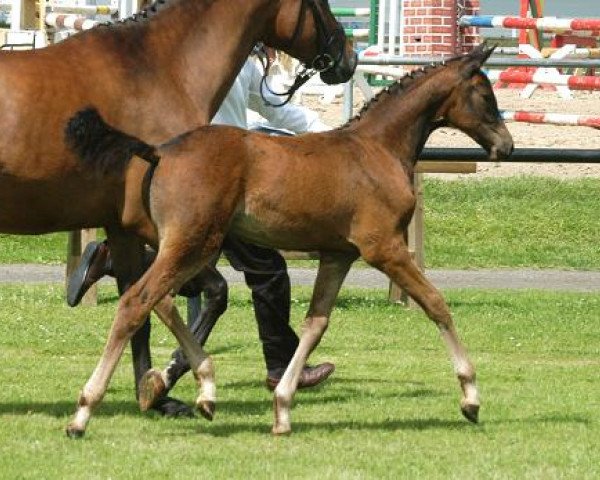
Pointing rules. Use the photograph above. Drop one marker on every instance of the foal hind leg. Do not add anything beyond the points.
(332, 271)
(129, 263)
(393, 259)
(166, 273)
(155, 383)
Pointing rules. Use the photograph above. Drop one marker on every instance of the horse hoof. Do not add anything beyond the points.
(280, 430)
(151, 389)
(207, 409)
(172, 408)
(470, 412)
(74, 432)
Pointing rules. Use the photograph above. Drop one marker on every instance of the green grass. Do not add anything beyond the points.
(389, 411)
(517, 222)
(512, 222)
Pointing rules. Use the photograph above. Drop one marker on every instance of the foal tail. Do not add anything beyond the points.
(102, 147)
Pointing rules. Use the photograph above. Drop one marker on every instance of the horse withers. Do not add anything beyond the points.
(155, 75)
(345, 193)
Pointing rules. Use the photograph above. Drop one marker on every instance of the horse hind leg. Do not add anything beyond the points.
(134, 306)
(332, 271)
(393, 259)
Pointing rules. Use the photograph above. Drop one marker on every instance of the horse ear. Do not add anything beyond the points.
(475, 59)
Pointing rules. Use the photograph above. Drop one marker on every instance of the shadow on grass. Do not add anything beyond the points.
(226, 429)
(315, 396)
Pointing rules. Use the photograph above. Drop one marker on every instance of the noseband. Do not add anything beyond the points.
(325, 59)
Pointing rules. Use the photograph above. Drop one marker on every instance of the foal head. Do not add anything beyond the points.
(472, 106)
(307, 30)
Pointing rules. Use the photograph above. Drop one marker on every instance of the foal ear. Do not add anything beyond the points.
(475, 59)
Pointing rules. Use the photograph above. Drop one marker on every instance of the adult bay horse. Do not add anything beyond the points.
(158, 74)
(345, 193)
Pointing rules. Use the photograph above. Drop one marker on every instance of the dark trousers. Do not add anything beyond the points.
(266, 275)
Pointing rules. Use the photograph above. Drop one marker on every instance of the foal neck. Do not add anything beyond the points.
(402, 116)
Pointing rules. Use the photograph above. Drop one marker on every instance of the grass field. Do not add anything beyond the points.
(512, 222)
(389, 411)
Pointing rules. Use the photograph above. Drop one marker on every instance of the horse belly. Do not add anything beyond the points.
(32, 207)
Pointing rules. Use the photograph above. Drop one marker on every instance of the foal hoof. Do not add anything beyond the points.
(470, 412)
(151, 389)
(280, 430)
(74, 432)
(206, 408)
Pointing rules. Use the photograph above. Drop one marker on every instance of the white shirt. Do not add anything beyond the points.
(245, 93)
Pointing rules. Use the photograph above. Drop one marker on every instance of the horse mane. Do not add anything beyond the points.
(400, 86)
(101, 147)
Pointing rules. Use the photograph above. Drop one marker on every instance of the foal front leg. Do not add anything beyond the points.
(332, 271)
(393, 259)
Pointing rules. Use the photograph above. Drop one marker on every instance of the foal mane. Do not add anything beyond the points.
(400, 86)
(101, 147)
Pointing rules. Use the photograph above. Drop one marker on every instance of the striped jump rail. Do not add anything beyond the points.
(73, 22)
(356, 32)
(84, 9)
(551, 118)
(351, 12)
(591, 26)
(539, 77)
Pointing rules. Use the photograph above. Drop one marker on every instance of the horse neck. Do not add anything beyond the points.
(199, 46)
(208, 58)
(401, 118)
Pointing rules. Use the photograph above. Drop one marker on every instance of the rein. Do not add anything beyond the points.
(322, 62)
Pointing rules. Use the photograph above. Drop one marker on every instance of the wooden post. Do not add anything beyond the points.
(77, 242)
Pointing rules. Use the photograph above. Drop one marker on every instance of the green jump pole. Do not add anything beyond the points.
(374, 22)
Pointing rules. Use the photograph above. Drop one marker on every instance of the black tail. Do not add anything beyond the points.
(102, 147)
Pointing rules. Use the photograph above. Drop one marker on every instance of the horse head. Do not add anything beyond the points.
(472, 106)
(307, 30)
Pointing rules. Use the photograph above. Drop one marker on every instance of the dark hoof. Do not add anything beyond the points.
(173, 408)
(207, 409)
(471, 413)
(74, 433)
(152, 388)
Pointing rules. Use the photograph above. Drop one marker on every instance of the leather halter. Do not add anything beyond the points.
(325, 59)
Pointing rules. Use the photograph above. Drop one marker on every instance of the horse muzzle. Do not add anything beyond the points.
(341, 71)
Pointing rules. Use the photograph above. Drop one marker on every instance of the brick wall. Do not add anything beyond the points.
(429, 27)
(467, 38)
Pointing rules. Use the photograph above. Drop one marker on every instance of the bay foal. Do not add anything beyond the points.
(344, 193)
(162, 72)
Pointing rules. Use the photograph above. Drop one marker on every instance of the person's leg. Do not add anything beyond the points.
(94, 264)
(265, 272)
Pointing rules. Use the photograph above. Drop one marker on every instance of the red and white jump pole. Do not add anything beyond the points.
(551, 118)
(540, 77)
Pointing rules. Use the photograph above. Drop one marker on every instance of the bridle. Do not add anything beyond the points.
(325, 59)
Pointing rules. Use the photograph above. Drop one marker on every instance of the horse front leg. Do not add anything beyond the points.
(393, 258)
(166, 273)
(331, 274)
